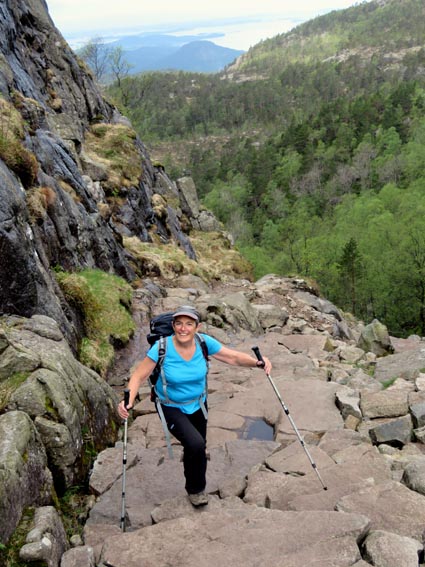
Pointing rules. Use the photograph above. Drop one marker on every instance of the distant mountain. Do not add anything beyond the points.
(146, 58)
(199, 57)
(157, 52)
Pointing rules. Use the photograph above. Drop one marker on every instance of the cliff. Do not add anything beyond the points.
(75, 180)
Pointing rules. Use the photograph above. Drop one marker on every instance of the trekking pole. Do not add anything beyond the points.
(285, 409)
(124, 462)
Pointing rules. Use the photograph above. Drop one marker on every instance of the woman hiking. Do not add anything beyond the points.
(184, 402)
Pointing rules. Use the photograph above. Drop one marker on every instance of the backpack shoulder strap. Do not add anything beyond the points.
(203, 346)
(204, 349)
(162, 349)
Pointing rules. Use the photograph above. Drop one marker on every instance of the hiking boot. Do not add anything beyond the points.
(199, 499)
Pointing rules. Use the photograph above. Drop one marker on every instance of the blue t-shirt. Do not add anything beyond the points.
(185, 378)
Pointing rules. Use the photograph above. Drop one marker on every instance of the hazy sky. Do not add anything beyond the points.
(253, 20)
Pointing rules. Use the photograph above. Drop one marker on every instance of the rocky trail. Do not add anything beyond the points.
(267, 505)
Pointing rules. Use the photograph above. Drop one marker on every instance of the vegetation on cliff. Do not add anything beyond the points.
(12, 151)
(104, 302)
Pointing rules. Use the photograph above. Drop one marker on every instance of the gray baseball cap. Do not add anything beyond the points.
(188, 311)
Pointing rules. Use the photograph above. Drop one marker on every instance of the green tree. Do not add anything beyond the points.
(350, 268)
(118, 65)
(417, 255)
(227, 199)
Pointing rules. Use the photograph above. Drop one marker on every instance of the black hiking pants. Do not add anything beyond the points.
(191, 431)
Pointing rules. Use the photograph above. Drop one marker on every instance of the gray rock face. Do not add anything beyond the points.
(407, 364)
(391, 403)
(319, 303)
(27, 31)
(26, 287)
(200, 219)
(270, 317)
(243, 313)
(82, 556)
(25, 479)
(384, 504)
(418, 414)
(66, 401)
(18, 267)
(190, 204)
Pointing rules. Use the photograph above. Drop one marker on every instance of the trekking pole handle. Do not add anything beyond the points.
(126, 397)
(258, 355)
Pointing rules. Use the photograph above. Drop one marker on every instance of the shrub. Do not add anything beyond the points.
(20, 160)
(38, 200)
(114, 146)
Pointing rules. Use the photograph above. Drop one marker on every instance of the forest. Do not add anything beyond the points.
(311, 151)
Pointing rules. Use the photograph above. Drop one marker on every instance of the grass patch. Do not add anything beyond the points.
(9, 554)
(114, 146)
(73, 506)
(8, 386)
(104, 300)
(387, 383)
(38, 200)
(12, 151)
(215, 258)
(164, 260)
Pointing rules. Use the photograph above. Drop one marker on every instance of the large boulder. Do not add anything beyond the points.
(72, 408)
(25, 479)
(407, 364)
(245, 535)
(375, 338)
(47, 541)
(390, 506)
(385, 549)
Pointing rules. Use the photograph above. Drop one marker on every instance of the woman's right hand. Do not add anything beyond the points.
(122, 410)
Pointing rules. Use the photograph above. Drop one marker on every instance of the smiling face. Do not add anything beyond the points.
(185, 329)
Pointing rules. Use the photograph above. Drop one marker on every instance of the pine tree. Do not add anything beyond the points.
(350, 269)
